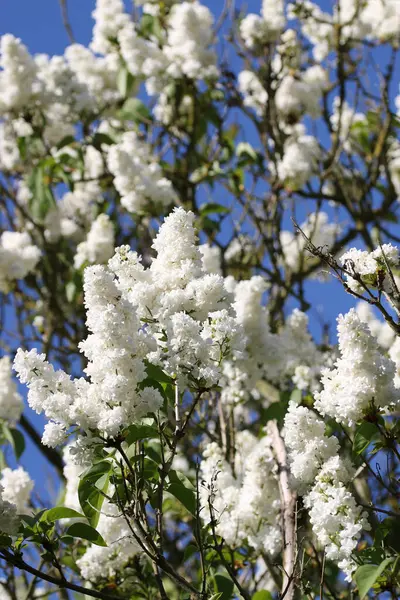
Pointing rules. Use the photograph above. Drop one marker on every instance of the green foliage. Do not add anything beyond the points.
(14, 437)
(366, 576)
(224, 586)
(86, 532)
(186, 496)
(92, 487)
(262, 595)
(365, 433)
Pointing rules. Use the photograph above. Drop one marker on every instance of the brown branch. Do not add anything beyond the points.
(65, 19)
(61, 583)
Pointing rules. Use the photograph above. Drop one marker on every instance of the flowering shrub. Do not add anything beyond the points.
(172, 196)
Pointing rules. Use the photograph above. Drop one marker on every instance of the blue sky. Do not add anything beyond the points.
(38, 23)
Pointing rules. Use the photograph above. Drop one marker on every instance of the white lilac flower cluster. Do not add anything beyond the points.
(18, 257)
(172, 314)
(49, 90)
(321, 477)
(99, 244)
(384, 334)
(371, 20)
(17, 487)
(11, 403)
(362, 377)
(258, 30)
(15, 490)
(138, 177)
(244, 496)
(289, 355)
(371, 267)
(299, 161)
(183, 50)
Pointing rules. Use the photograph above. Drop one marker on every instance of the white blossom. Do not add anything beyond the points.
(99, 244)
(138, 177)
(362, 376)
(17, 486)
(11, 403)
(245, 500)
(254, 94)
(18, 257)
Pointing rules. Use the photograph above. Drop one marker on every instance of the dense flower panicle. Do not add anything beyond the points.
(97, 73)
(110, 17)
(321, 476)
(362, 376)
(172, 314)
(138, 177)
(300, 94)
(279, 357)
(254, 94)
(11, 403)
(17, 76)
(245, 499)
(17, 487)
(381, 330)
(299, 161)
(211, 259)
(371, 267)
(189, 37)
(18, 257)
(336, 520)
(99, 244)
(308, 446)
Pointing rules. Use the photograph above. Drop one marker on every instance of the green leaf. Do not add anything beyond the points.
(216, 596)
(244, 149)
(210, 209)
(125, 81)
(68, 139)
(275, 411)
(296, 396)
(262, 595)
(150, 26)
(135, 110)
(101, 138)
(92, 484)
(86, 532)
(16, 440)
(140, 432)
(363, 436)
(184, 495)
(366, 576)
(224, 586)
(60, 512)
(155, 372)
(70, 290)
(42, 196)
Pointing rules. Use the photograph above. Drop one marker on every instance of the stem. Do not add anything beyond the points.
(288, 502)
(61, 583)
(178, 423)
